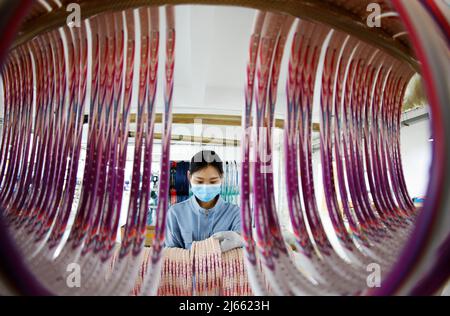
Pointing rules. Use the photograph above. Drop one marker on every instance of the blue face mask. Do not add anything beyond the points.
(205, 192)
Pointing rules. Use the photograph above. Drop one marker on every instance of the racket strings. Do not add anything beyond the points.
(56, 80)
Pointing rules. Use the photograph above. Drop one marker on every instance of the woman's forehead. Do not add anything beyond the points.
(208, 172)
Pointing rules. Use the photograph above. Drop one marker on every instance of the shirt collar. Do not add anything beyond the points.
(198, 209)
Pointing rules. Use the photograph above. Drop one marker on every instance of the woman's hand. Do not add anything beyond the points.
(229, 240)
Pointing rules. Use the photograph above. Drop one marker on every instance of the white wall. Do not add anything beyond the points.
(416, 156)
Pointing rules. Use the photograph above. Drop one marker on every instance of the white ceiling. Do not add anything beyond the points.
(211, 56)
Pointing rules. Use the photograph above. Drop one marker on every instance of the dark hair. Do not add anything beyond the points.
(206, 158)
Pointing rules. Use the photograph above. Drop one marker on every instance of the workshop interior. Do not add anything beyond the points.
(225, 148)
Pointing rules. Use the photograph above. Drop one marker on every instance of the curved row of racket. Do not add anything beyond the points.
(40, 151)
(359, 92)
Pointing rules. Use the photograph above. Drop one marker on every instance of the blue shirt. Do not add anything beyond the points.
(188, 221)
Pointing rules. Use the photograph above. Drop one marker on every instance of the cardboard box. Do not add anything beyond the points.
(149, 235)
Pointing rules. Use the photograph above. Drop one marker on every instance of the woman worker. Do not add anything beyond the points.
(205, 214)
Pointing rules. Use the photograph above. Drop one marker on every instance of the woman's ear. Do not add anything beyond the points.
(188, 175)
